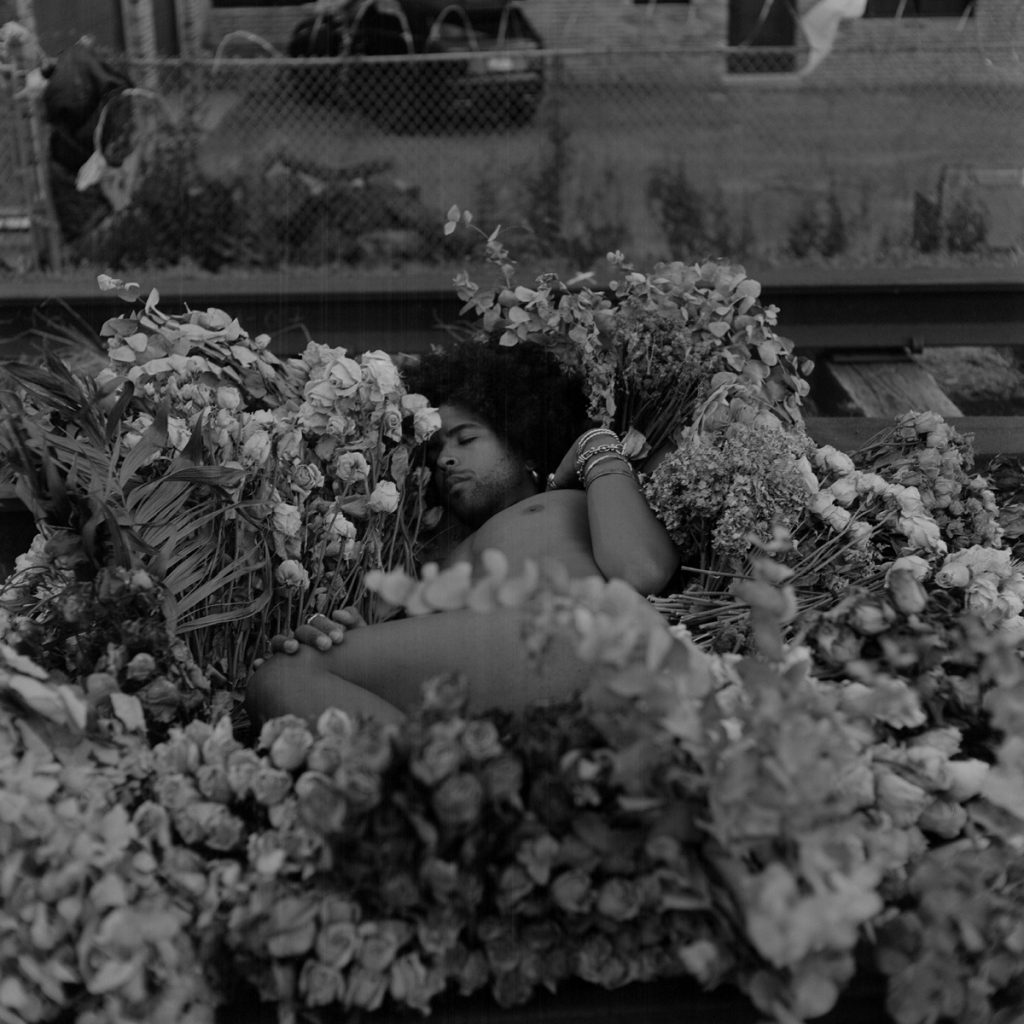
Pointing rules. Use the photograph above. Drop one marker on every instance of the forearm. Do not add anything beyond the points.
(628, 541)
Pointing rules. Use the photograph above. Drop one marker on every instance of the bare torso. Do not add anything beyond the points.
(551, 525)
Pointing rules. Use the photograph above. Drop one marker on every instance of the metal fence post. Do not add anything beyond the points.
(38, 169)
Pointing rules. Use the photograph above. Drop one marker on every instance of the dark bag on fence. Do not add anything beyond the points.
(320, 36)
(79, 85)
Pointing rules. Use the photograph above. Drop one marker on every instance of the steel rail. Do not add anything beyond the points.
(868, 311)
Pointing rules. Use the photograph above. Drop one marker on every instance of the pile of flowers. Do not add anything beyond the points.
(255, 490)
(805, 765)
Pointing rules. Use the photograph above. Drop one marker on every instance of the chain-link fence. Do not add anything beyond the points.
(882, 155)
(20, 236)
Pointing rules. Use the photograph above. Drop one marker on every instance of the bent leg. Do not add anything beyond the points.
(381, 668)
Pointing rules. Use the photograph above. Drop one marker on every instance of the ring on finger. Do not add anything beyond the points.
(309, 619)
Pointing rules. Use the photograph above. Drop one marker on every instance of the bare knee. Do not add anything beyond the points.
(305, 684)
(266, 688)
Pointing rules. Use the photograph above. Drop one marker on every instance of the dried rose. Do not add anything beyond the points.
(320, 985)
(619, 899)
(292, 575)
(321, 805)
(290, 747)
(214, 784)
(175, 791)
(384, 498)
(381, 941)
(292, 926)
(240, 767)
(337, 943)
(141, 667)
(457, 802)
(436, 760)
(907, 593)
(365, 989)
(270, 785)
(480, 739)
(572, 891)
(414, 984)
(503, 779)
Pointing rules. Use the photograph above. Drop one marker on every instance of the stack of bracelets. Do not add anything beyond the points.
(599, 454)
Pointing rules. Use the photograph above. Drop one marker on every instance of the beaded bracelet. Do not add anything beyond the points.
(595, 432)
(621, 468)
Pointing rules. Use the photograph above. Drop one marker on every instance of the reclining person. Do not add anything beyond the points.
(511, 420)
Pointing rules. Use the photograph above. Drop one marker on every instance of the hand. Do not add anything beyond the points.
(320, 631)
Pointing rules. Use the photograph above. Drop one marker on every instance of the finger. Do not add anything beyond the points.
(348, 617)
(278, 642)
(323, 624)
(313, 636)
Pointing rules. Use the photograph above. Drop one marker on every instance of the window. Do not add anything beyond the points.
(919, 8)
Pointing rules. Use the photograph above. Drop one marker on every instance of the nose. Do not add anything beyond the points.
(446, 460)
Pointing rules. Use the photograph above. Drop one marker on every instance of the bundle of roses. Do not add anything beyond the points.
(254, 491)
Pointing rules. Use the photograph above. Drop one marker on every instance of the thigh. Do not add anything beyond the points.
(391, 660)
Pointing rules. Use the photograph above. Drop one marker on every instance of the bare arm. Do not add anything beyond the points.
(629, 543)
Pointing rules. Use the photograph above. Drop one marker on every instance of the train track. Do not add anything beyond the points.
(863, 311)
(864, 315)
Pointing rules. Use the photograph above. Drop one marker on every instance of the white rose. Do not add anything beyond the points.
(287, 519)
(384, 497)
(839, 462)
(954, 574)
(426, 422)
(345, 374)
(837, 518)
(256, 449)
(922, 532)
(228, 397)
(819, 502)
(178, 432)
(351, 467)
(320, 394)
(843, 491)
(289, 445)
(414, 402)
(380, 371)
(914, 564)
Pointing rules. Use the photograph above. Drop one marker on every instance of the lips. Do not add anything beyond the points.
(453, 481)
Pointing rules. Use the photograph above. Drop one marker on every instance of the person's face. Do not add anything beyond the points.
(474, 469)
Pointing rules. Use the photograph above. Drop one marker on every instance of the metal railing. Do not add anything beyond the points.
(885, 155)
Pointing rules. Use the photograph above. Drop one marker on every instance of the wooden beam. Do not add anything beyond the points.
(992, 435)
(878, 387)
